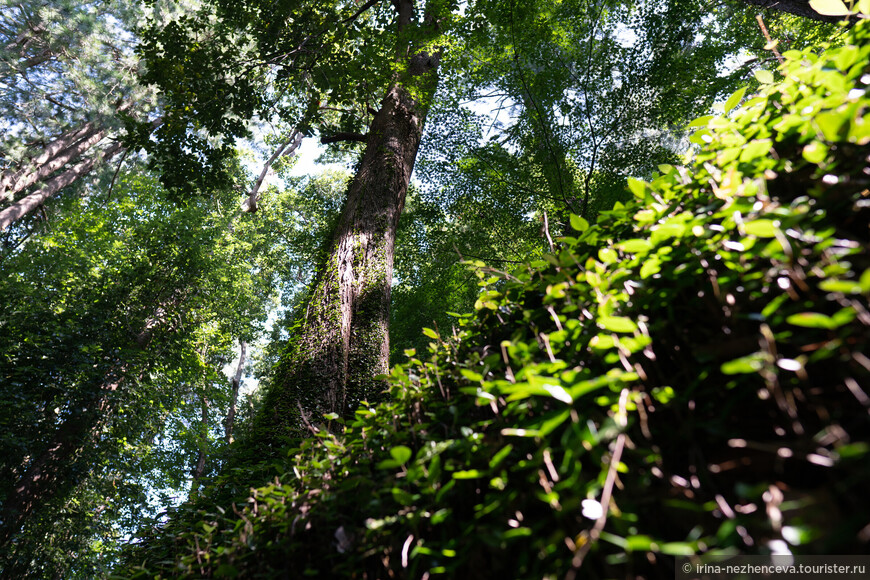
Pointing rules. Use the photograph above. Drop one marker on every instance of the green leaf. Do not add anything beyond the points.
(619, 324)
(815, 152)
(744, 365)
(468, 474)
(500, 456)
(401, 453)
(638, 543)
(666, 231)
(830, 7)
(516, 533)
(635, 246)
(765, 77)
(402, 497)
(430, 333)
(650, 267)
(700, 121)
(755, 149)
(677, 549)
(762, 228)
(734, 99)
(578, 223)
(812, 320)
(608, 255)
(843, 286)
(830, 123)
(637, 187)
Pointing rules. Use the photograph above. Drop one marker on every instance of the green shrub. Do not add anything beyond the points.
(698, 355)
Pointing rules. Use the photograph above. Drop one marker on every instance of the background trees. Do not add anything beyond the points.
(69, 77)
(107, 329)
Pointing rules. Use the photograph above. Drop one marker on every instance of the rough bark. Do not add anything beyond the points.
(64, 149)
(54, 156)
(797, 7)
(343, 342)
(11, 182)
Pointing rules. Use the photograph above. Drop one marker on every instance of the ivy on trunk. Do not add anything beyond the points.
(342, 343)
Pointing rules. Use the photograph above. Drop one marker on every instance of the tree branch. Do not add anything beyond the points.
(288, 147)
(342, 136)
(357, 14)
(27, 204)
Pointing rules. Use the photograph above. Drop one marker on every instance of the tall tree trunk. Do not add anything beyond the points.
(343, 341)
(202, 454)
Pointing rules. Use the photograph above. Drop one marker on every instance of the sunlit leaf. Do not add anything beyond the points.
(829, 7)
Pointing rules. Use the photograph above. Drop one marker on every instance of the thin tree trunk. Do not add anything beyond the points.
(29, 203)
(343, 342)
(229, 423)
(203, 439)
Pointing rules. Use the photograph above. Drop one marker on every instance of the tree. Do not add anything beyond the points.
(69, 79)
(342, 341)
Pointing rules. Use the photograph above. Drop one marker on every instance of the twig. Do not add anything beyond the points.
(305, 419)
(770, 42)
(596, 530)
(547, 232)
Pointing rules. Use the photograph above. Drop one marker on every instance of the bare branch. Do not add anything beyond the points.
(288, 147)
(341, 136)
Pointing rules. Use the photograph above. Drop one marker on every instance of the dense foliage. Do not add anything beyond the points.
(113, 342)
(685, 376)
